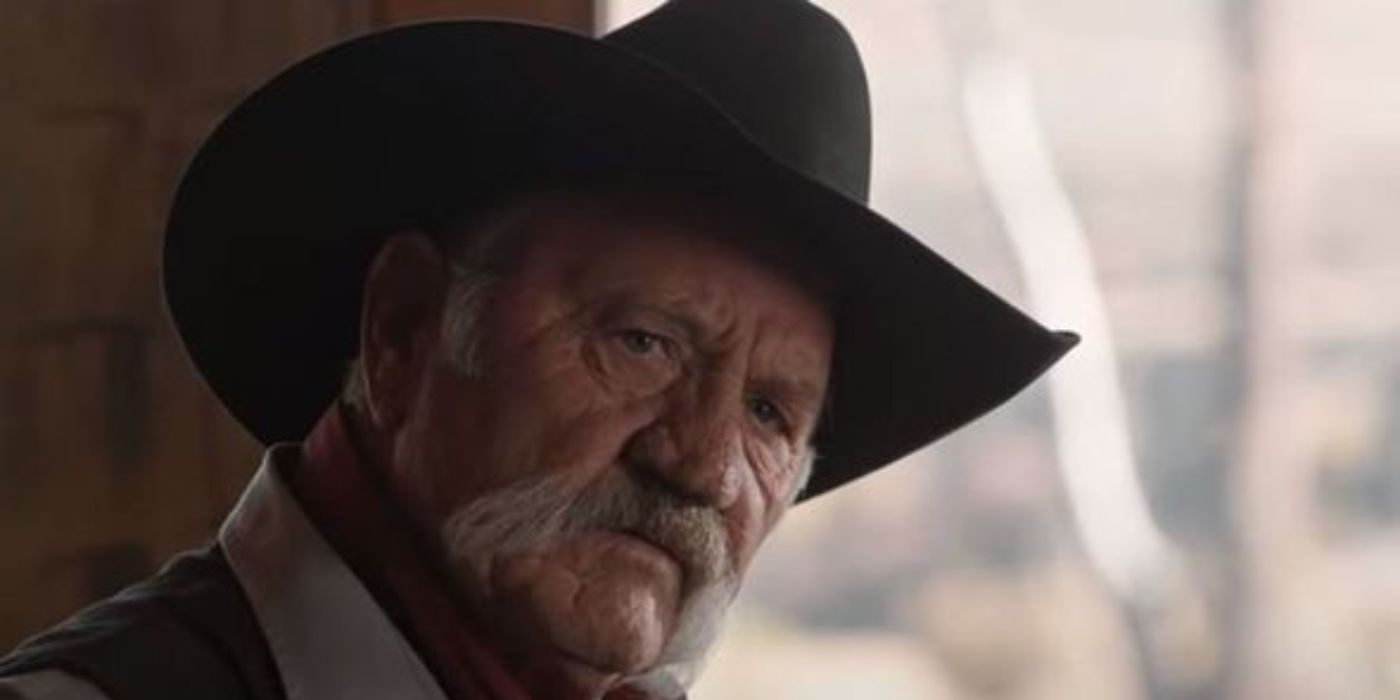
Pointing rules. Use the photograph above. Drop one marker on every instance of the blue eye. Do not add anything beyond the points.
(640, 342)
(764, 411)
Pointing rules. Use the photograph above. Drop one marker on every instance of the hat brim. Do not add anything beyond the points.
(282, 209)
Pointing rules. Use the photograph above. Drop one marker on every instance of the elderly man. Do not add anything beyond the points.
(610, 307)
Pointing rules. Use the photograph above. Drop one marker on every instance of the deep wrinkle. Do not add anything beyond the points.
(644, 348)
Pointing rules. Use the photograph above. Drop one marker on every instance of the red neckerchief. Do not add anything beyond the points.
(346, 501)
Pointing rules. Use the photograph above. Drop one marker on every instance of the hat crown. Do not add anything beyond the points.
(785, 71)
(280, 213)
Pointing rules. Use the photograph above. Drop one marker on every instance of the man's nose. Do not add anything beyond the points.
(697, 453)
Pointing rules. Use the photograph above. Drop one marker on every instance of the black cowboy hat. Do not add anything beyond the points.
(285, 204)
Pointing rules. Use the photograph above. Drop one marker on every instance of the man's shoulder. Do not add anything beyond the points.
(186, 632)
(49, 684)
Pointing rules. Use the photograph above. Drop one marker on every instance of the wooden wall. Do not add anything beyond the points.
(113, 455)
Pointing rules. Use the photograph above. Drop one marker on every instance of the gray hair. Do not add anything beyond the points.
(477, 248)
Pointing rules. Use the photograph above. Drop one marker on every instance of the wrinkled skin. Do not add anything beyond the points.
(621, 338)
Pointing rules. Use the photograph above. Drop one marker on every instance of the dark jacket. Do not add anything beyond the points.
(187, 632)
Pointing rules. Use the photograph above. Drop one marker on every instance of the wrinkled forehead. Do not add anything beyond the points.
(625, 217)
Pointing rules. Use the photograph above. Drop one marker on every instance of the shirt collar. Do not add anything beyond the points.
(348, 503)
(326, 633)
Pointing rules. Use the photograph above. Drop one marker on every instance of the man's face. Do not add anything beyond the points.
(639, 420)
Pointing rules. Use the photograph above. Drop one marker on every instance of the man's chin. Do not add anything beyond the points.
(611, 611)
(624, 649)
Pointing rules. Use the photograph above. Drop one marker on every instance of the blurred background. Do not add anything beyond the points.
(1202, 502)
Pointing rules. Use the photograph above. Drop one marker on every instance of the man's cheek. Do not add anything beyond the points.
(601, 598)
(748, 522)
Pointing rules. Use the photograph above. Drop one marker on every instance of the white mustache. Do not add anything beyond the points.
(525, 516)
(530, 515)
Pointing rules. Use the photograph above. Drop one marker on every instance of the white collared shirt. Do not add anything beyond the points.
(327, 635)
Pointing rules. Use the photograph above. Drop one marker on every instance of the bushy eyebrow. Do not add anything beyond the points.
(695, 333)
(677, 313)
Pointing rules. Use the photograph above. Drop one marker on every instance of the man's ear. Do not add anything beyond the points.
(400, 319)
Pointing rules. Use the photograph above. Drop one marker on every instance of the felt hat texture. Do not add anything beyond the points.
(283, 207)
